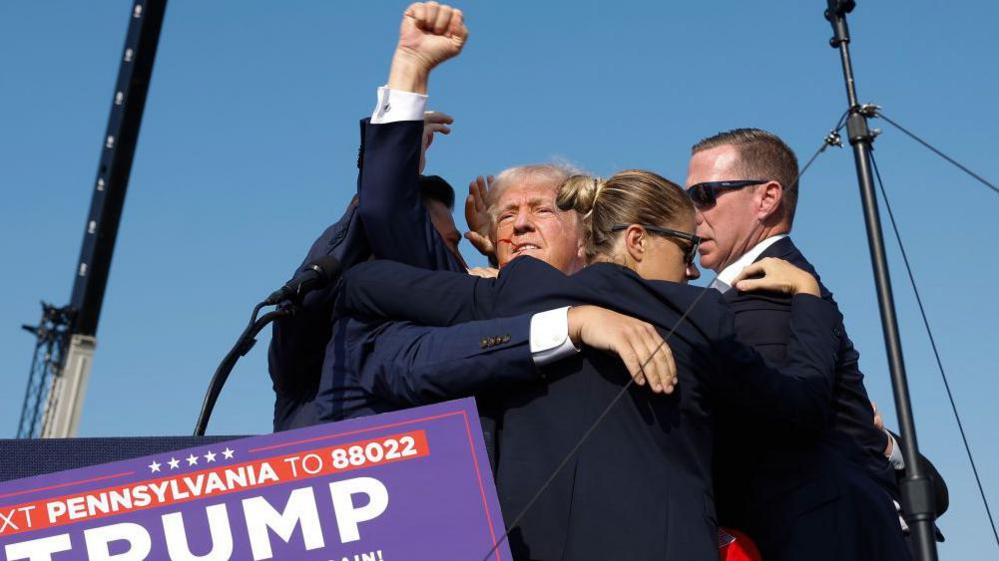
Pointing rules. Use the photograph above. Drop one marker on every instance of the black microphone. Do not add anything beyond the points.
(317, 274)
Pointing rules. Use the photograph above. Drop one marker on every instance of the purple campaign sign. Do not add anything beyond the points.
(404, 486)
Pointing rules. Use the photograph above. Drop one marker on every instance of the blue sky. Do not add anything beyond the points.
(249, 142)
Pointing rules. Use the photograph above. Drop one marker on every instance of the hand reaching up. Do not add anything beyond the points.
(477, 215)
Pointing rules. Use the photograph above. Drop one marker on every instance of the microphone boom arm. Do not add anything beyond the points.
(243, 345)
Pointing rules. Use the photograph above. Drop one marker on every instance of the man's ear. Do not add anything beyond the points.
(769, 197)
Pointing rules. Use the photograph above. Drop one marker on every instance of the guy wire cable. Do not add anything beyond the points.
(913, 136)
(832, 139)
(933, 344)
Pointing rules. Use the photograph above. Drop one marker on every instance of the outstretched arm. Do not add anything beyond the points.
(408, 364)
(393, 291)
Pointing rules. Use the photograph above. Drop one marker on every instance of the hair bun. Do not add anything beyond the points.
(579, 193)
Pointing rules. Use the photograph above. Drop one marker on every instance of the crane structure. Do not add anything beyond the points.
(66, 336)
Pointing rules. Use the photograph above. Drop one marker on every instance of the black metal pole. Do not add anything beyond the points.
(917, 490)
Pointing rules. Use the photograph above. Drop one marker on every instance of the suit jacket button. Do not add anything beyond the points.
(484, 343)
(506, 339)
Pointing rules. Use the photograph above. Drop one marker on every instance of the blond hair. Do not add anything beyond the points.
(628, 197)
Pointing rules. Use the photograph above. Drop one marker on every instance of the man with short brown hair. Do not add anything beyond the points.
(788, 493)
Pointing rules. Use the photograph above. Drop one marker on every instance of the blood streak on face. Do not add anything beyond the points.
(529, 223)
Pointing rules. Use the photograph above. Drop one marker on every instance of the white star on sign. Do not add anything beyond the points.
(227, 453)
(210, 456)
(154, 467)
(174, 463)
(192, 460)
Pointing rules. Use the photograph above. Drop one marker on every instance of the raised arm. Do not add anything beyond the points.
(394, 214)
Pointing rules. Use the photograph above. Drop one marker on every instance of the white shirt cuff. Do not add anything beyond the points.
(901, 520)
(550, 340)
(895, 459)
(397, 105)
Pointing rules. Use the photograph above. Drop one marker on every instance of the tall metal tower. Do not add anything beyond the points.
(66, 336)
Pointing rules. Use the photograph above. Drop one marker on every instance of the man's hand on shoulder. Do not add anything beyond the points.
(776, 275)
(633, 340)
(430, 33)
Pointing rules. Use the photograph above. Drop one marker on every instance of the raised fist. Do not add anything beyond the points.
(431, 33)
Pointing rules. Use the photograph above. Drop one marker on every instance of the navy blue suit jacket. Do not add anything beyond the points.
(766, 484)
(641, 485)
(385, 220)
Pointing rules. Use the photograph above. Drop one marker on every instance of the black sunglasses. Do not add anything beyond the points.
(690, 251)
(705, 195)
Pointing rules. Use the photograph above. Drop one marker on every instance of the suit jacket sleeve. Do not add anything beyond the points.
(409, 364)
(394, 218)
(393, 291)
(801, 391)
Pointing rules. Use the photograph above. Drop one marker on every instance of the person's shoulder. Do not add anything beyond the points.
(527, 265)
(688, 295)
(701, 312)
(788, 251)
(659, 302)
(756, 300)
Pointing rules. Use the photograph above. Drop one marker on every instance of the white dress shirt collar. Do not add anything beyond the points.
(728, 274)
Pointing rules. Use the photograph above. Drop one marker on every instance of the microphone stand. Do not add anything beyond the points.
(243, 345)
(917, 491)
